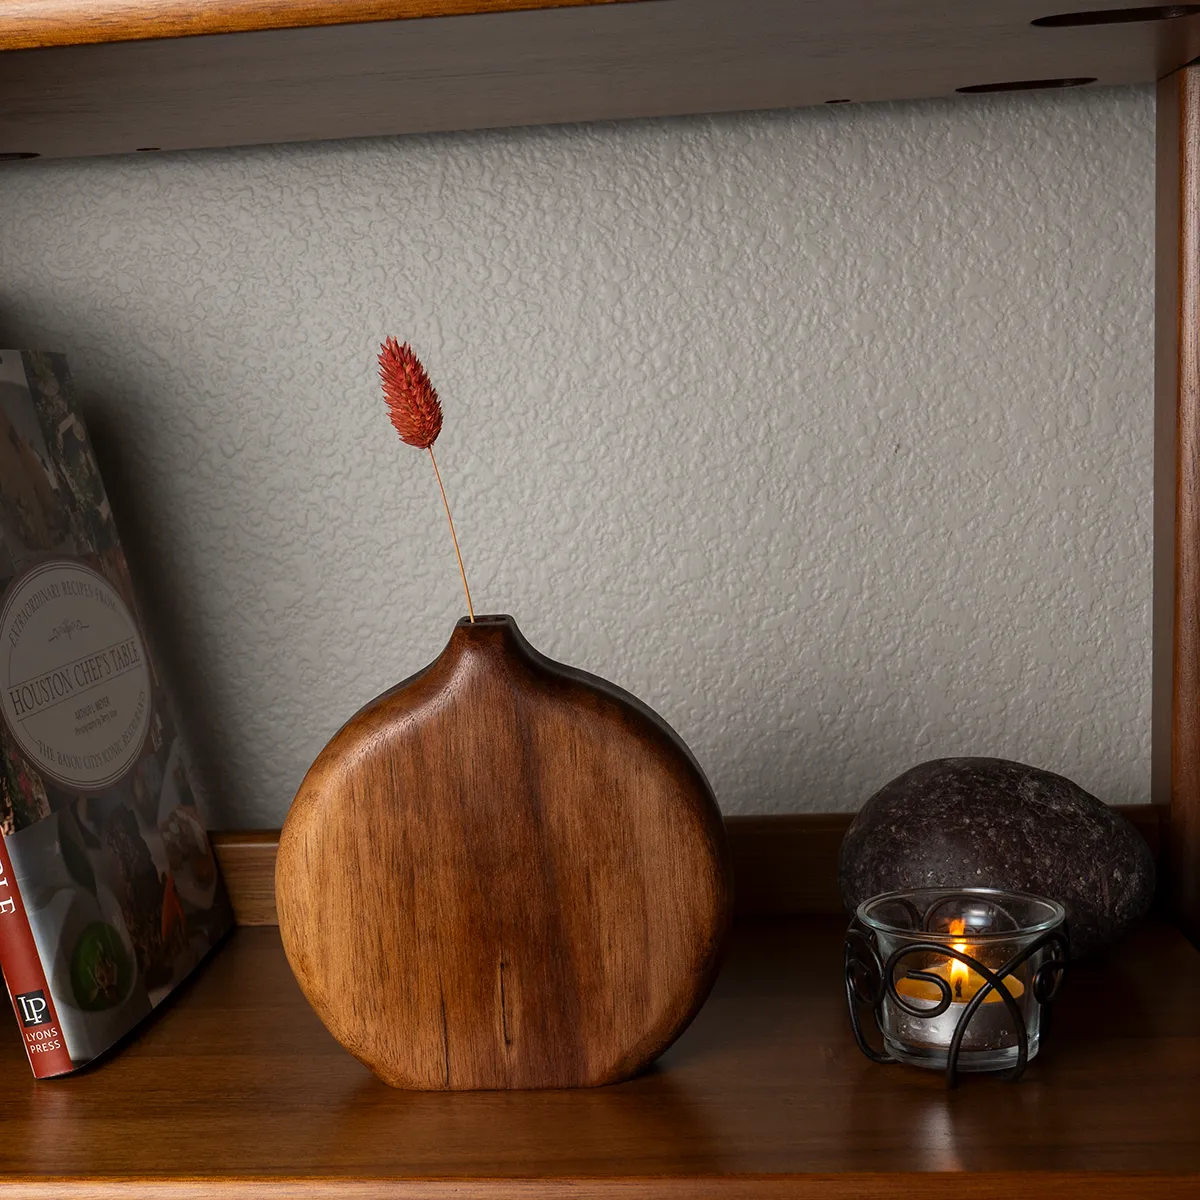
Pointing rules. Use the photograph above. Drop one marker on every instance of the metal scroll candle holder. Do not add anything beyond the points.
(955, 979)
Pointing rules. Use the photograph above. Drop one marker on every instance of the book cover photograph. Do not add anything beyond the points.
(110, 894)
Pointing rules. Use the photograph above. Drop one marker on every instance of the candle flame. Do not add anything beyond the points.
(959, 971)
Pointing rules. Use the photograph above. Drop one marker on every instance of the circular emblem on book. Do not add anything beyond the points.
(74, 679)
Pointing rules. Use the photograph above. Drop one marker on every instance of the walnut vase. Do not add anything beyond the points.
(504, 873)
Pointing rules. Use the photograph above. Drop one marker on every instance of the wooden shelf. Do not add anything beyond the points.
(31, 24)
(288, 75)
(236, 1089)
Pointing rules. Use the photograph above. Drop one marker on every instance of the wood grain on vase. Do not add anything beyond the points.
(504, 873)
(1177, 485)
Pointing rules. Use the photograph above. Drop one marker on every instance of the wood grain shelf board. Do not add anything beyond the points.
(490, 69)
(783, 865)
(1176, 691)
(30, 24)
(235, 1088)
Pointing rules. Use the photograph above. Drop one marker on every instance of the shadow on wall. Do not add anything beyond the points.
(8, 334)
(163, 606)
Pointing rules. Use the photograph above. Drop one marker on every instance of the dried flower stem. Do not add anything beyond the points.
(416, 415)
(453, 535)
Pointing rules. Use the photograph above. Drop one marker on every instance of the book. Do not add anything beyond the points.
(110, 894)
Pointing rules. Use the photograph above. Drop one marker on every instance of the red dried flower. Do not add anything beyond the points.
(417, 417)
(412, 399)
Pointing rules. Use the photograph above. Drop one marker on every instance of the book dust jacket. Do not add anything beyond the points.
(110, 894)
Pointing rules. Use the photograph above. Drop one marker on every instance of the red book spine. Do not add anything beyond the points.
(32, 1002)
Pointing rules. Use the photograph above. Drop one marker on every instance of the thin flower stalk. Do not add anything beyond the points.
(416, 415)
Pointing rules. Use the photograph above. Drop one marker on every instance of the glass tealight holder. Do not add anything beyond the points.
(956, 979)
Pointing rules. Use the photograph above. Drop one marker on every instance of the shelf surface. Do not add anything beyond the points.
(500, 67)
(237, 1089)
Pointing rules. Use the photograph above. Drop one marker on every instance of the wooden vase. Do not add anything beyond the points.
(504, 873)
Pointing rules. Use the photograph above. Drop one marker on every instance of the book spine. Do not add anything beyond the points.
(32, 1001)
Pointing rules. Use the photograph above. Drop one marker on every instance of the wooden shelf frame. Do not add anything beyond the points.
(235, 1089)
(87, 77)
(1176, 687)
(36, 24)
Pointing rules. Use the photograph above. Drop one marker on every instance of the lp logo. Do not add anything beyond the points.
(33, 1009)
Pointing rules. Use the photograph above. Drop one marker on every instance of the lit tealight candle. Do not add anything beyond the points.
(936, 1010)
(964, 983)
(988, 1030)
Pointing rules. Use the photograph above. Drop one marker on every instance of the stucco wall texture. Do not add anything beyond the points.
(827, 433)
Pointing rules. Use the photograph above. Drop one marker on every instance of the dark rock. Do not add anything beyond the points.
(988, 822)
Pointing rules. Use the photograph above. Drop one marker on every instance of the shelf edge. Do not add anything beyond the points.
(40, 24)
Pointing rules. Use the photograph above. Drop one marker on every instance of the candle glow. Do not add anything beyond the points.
(964, 983)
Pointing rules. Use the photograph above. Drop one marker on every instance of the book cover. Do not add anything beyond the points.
(110, 893)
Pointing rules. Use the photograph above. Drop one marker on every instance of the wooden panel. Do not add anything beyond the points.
(1177, 479)
(782, 865)
(237, 1090)
(247, 860)
(863, 1186)
(594, 61)
(1150, 820)
(786, 865)
(1166, 416)
(25, 24)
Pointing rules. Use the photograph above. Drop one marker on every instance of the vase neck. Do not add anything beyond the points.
(493, 635)
(485, 622)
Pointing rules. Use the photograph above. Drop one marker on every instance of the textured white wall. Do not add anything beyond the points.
(828, 433)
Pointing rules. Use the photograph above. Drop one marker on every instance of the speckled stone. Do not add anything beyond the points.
(988, 822)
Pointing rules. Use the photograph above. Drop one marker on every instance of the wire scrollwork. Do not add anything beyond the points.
(870, 980)
(865, 986)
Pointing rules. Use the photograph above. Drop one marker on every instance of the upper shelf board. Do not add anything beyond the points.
(27, 24)
(290, 70)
